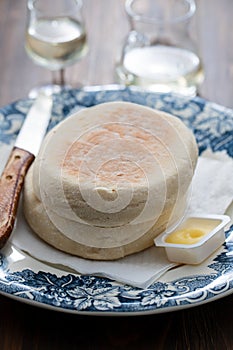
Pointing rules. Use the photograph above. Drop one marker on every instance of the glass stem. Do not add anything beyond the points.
(59, 77)
(62, 76)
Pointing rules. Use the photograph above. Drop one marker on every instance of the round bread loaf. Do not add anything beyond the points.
(109, 179)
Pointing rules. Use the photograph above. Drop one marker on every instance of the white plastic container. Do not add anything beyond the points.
(209, 236)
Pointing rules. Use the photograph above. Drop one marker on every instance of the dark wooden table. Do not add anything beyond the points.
(209, 326)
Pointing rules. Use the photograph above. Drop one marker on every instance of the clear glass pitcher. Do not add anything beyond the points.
(159, 53)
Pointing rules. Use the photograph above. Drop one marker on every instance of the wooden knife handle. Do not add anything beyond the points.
(11, 183)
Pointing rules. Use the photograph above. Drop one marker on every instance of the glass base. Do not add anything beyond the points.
(48, 89)
(181, 87)
(162, 69)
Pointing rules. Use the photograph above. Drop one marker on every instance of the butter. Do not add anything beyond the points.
(186, 236)
(192, 230)
(195, 239)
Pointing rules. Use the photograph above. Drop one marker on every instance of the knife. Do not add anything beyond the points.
(25, 149)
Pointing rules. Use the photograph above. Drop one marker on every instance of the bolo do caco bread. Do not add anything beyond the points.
(110, 178)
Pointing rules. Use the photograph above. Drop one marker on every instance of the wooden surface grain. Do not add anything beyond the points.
(205, 327)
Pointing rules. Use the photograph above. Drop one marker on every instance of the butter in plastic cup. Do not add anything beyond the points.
(181, 251)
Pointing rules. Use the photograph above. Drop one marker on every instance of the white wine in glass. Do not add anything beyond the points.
(55, 36)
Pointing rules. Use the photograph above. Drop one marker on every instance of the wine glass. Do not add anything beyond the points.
(55, 38)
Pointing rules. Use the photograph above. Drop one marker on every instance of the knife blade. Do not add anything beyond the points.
(25, 149)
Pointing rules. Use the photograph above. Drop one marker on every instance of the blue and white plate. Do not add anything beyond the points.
(27, 279)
